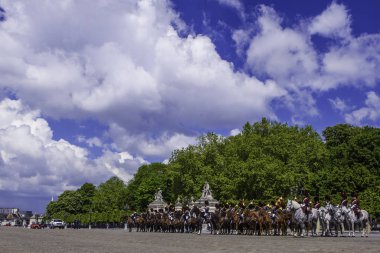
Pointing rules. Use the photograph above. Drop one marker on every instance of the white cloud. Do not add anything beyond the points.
(370, 112)
(357, 63)
(233, 4)
(235, 131)
(339, 104)
(32, 163)
(242, 39)
(334, 21)
(126, 66)
(282, 53)
(153, 146)
(91, 142)
(288, 55)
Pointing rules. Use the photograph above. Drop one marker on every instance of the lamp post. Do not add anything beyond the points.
(126, 207)
(65, 216)
(89, 225)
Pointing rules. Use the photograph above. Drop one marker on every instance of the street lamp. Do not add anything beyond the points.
(65, 216)
(89, 225)
(126, 207)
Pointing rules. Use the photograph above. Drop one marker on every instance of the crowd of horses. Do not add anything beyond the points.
(292, 220)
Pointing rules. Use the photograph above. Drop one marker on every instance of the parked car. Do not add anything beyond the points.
(57, 223)
(35, 226)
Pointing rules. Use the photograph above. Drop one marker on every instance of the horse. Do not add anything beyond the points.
(186, 218)
(130, 223)
(311, 222)
(251, 221)
(196, 220)
(359, 217)
(216, 221)
(299, 217)
(279, 222)
(140, 224)
(333, 218)
(264, 221)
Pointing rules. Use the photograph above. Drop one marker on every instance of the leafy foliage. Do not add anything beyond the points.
(265, 161)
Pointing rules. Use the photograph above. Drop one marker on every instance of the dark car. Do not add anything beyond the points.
(35, 226)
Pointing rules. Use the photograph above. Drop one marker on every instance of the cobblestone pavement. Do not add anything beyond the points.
(118, 240)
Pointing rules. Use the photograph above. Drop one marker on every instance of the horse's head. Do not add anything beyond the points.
(292, 205)
(330, 208)
(289, 205)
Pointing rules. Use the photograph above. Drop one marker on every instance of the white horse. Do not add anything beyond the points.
(322, 213)
(362, 219)
(311, 221)
(299, 217)
(333, 218)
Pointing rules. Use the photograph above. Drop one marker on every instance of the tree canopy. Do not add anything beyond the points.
(266, 160)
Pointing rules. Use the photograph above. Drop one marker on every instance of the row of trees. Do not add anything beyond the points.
(265, 161)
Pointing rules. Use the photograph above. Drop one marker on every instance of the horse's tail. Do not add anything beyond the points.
(368, 228)
(368, 225)
(318, 226)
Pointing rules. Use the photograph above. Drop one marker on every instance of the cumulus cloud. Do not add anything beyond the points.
(369, 112)
(339, 105)
(91, 142)
(233, 4)
(130, 68)
(235, 131)
(149, 146)
(334, 21)
(33, 164)
(289, 56)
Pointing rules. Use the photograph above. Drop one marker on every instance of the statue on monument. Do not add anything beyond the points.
(158, 195)
(206, 192)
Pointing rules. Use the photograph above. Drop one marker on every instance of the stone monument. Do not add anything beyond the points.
(158, 202)
(207, 195)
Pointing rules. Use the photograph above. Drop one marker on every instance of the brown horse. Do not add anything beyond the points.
(130, 223)
(140, 223)
(252, 218)
(280, 222)
(264, 222)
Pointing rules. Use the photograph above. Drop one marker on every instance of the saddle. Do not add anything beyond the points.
(306, 209)
(357, 211)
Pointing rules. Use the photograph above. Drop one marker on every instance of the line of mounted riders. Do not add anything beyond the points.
(278, 218)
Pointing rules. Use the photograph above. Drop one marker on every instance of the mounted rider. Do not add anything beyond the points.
(206, 210)
(306, 202)
(344, 201)
(317, 203)
(134, 216)
(327, 200)
(241, 209)
(280, 203)
(355, 204)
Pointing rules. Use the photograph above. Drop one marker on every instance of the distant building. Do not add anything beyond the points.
(14, 217)
(10, 216)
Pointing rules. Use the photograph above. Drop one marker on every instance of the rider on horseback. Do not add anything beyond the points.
(317, 204)
(355, 204)
(306, 199)
(344, 202)
(306, 203)
(206, 210)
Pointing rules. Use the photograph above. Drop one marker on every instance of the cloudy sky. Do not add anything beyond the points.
(91, 89)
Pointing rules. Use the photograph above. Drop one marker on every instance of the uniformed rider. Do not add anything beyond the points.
(306, 203)
(344, 201)
(206, 210)
(355, 204)
(317, 203)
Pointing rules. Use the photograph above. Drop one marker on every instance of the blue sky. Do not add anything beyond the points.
(93, 89)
